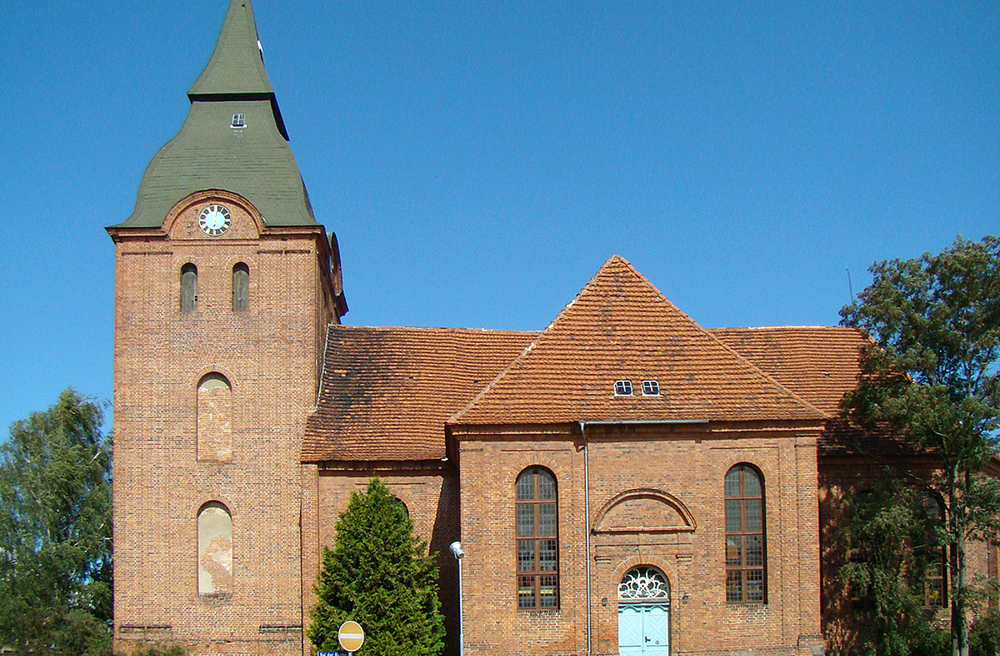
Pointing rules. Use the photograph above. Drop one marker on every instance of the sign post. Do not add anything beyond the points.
(350, 636)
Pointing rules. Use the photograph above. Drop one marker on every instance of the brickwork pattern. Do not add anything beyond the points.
(431, 499)
(270, 355)
(838, 477)
(689, 468)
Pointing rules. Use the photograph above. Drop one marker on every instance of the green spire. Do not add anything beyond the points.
(233, 138)
(237, 65)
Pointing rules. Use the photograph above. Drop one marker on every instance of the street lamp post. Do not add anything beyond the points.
(456, 549)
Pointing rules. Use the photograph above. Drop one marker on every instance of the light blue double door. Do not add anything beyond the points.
(643, 629)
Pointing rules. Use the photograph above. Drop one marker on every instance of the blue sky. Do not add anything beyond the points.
(480, 160)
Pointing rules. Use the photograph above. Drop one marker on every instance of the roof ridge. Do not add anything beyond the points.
(614, 259)
(456, 329)
(608, 275)
(785, 327)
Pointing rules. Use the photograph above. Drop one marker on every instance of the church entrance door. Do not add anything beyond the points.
(643, 613)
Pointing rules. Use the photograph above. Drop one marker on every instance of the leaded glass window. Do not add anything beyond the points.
(537, 539)
(935, 581)
(746, 571)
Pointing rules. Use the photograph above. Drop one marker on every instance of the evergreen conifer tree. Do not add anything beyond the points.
(380, 575)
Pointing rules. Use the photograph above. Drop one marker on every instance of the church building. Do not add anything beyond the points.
(624, 481)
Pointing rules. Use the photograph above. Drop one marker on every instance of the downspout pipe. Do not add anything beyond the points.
(459, 553)
(586, 528)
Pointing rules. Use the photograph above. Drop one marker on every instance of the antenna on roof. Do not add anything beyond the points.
(850, 287)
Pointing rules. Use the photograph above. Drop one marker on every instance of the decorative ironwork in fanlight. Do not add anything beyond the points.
(641, 583)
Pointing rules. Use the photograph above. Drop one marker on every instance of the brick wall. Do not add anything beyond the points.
(839, 476)
(683, 467)
(269, 356)
(431, 499)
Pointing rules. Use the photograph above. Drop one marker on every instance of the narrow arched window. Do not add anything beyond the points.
(215, 418)
(935, 581)
(189, 288)
(400, 506)
(537, 539)
(746, 572)
(215, 550)
(241, 287)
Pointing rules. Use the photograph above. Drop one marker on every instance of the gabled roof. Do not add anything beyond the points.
(819, 363)
(621, 327)
(386, 392)
(208, 153)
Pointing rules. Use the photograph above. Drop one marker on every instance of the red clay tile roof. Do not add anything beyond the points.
(621, 327)
(386, 392)
(819, 363)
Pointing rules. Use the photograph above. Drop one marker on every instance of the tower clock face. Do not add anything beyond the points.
(214, 220)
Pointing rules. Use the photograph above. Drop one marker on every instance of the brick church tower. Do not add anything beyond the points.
(224, 287)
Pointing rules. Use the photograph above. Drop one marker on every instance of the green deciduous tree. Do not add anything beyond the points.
(891, 537)
(932, 378)
(55, 532)
(380, 575)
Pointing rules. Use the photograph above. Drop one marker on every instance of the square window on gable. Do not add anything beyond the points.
(650, 388)
(623, 388)
(239, 121)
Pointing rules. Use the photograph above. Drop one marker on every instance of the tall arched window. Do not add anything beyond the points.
(215, 418)
(189, 288)
(935, 581)
(537, 539)
(215, 550)
(241, 287)
(746, 573)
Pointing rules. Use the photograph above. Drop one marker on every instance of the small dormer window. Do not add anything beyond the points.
(650, 388)
(239, 121)
(623, 388)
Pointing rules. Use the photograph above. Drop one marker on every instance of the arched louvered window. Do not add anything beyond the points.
(215, 550)
(537, 539)
(241, 287)
(189, 288)
(746, 549)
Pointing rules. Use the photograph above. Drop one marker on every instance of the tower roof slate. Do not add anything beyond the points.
(620, 327)
(237, 64)
(210, 152)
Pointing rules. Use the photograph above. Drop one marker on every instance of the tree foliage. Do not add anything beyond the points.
(380, 575)
(891, 539)
(55, 532)
(931, 377)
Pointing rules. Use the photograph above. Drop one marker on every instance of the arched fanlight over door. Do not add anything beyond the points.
(643, 583)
